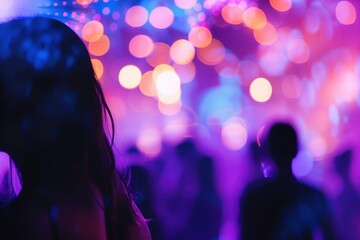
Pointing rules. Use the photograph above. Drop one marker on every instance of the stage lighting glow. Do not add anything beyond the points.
(233, 13)
(147, 84)
(186, 72)
(213, 54)
(200, 36)
(254, 18)
(130, 76)
(345, 12)
(298, 51)
(98, 67)
(234, 133)
(167, 83)
(260, 90)
(182, 51)
(161, 17)
(141, 46)
(185, 4)
(92, 31)
(266, 35)
(100, 47)
(292, 87)
(169, 109)
(159, 55)
(136, 16)
(281, 5)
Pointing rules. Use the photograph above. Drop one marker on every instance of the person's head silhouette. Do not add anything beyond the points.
(52, 110)
(282, 146)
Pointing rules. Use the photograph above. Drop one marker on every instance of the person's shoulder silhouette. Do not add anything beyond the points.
(281, 207)
(346, 204)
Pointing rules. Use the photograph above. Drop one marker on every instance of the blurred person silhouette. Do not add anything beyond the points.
(347, 203)
(280, 207)
(178, 188)
(205, 217)
(52, 111)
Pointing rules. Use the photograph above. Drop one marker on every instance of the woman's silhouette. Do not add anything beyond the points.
(51, 124)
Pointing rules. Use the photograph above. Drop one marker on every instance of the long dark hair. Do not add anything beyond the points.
(52, 115)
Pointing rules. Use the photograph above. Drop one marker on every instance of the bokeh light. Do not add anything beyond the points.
(161, 17)
(100, 47)
(281, 5)
(185, 4)
(234, 133)
(292, 86)
(176, 129)
(347, 86)
(260, 90)
(302, 164)
(200, 36)
(169, 109)
(182, 51)
(167, 83)
(228, 67)
(169, 98)
(141, 46)
(147, 84)
(98, 67)
(149, 142)
(130, 76)
(159, 55)
(298, 51)
(162, 68)
(266, 35)
(186, 72)
(317, 146)
(84, 2)
(136, 16)
(233, 13)
(345, 12)
(213, 54)
(254, 18)
(92, 31)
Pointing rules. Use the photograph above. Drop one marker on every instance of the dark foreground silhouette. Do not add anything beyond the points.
(51, 125)
(281, 208)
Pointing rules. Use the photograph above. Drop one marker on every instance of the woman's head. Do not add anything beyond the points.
(51, 104)
(51, 115)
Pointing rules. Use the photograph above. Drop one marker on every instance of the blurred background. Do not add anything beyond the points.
(194, 84)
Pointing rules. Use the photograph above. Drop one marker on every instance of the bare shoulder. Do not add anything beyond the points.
(140, 231)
